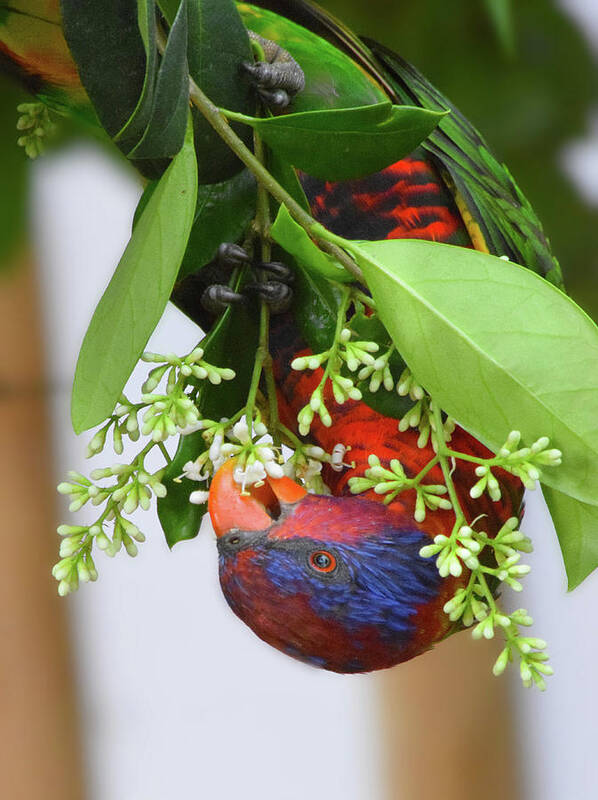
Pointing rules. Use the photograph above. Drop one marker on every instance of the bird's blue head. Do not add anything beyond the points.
(334, 581)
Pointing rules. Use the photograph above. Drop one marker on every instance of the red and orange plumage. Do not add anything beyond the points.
(386, 604)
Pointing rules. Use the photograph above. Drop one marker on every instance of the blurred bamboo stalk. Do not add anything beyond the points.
(39, 739)
(447, 726)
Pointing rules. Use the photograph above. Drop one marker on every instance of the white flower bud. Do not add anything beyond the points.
(199, 497)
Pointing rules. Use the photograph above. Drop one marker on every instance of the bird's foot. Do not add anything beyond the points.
(278, 78)
(275, 291)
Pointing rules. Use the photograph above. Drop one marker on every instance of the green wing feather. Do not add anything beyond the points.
(481, 185)
(507, 220)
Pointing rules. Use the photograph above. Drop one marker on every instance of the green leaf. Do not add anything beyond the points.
(497, 346)
(296, 241)
(231, 343)
(315, 308)
(345, 143)
(286, 175)
(165, 131)
(137, 294)
(223, 212)
(577, 528)
(113, 44)
(180, 519)
(218, 46)
(135, 126)
(169, 8)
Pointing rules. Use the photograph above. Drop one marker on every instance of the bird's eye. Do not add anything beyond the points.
(322, 561)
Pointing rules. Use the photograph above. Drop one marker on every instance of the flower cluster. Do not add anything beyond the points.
(378, 373)
(255, 456)
(525, 463)
(475, 605)
(306, 462)
(391, 482)
(174, 411)
(35, 126)
(421, 414)
(344, 351)
(131, 486)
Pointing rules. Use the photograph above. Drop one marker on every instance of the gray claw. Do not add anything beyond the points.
(218, 296)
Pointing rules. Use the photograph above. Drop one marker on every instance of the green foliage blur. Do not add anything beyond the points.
(13, 174)
(529, 100)
(528, 105)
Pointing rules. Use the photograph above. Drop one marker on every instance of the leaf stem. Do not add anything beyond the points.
(446, 471)
(422, 473)
(263, 224)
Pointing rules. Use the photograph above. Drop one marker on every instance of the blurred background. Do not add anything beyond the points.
(144, 686)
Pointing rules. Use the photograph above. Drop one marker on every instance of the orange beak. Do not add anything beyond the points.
(249, 512)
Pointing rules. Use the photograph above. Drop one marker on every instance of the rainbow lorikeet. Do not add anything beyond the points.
(337, 580)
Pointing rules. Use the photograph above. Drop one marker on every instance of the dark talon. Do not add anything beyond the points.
(277, 295)
(282, 272)
(218, 296)
(232, 255)
(277, 79)
(276, 99)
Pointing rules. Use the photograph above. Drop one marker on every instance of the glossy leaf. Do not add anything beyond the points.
(345, 143)
(576, 525)
(137, 294)
(180, 519)
(165, 131)
(113, 46)
(296, 241)
(332, 78)
(223, 212)
(231, 343)
(315, 307)
(218, 46)
(497, 346)
(286, 175)
(135, 126)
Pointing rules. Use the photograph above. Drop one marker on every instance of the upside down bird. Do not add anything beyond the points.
(337, 581)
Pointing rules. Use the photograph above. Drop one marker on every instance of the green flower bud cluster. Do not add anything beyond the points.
(343, 352)
(174, 411)
(461, 548)
(77, 565)
(525, 463)
(421, 414)
(475, 606)
(379, 373)
(185, 367)
(123, 423)
(391, 482)
(132, 486)
(35, 126)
